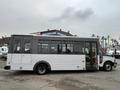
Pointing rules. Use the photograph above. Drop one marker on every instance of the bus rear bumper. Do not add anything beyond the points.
(7, 67)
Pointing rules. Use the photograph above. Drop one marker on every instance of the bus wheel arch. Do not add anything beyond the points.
(108, 66)
(42, 67)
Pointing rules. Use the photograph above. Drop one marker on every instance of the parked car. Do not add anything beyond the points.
(3, 51)
(0, 53)
(114, 52)
(110, 52)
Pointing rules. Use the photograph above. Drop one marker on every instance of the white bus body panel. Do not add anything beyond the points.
(62, 62)
(57, 62)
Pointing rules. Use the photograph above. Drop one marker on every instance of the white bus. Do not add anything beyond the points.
(45, 53)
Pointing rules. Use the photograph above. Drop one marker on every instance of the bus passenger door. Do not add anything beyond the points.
(26, 52)
(91, 56)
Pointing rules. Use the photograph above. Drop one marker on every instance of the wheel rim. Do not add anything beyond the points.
(41, 69)
(108, 67)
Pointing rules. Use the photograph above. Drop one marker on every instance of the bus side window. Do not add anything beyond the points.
(59, 48)
(69, 48)
(79, 48)
(17, 47)
(45, 48)
(63, 48)
(39, 48)
(27, 47)
(53, 48)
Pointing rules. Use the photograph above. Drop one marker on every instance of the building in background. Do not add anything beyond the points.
(53, 33)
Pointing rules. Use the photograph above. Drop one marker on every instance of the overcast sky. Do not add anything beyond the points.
(80, 17)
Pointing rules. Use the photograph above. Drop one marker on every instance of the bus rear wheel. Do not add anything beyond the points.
(41, 69)
(107, 66)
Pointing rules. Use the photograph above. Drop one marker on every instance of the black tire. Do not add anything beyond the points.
(108, 66)
(41, 69)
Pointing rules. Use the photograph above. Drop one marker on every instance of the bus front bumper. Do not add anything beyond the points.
(7, 67)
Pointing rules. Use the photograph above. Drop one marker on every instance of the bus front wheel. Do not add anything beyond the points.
(107, 66)
(41, 69)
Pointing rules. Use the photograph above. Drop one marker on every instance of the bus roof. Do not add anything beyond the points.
(58, 37)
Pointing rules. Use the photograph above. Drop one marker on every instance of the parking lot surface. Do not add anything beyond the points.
(63, 80)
